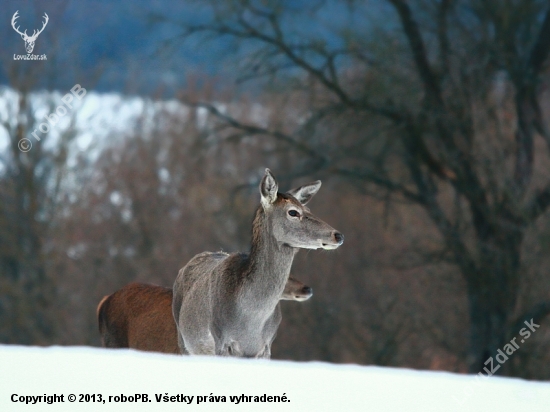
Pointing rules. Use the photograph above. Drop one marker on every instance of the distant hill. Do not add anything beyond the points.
(110, 46)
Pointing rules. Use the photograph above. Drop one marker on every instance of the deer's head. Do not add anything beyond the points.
(296, 290)
(29, 40)
(293, 224)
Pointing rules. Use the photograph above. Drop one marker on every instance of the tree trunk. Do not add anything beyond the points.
(492, 295)
(487, 331)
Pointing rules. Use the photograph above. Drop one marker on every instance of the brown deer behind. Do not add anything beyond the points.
(138, 316)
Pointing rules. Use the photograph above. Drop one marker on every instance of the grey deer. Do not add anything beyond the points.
(228, 304)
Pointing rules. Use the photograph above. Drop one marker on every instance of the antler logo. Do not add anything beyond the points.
(29, 40)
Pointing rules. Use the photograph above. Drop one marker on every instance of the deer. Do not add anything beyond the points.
(139, 316)
(29, 40)
(228, 304)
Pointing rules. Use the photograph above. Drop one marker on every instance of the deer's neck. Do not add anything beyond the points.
(268, 266)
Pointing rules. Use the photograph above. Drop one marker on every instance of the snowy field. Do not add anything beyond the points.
(118, 375)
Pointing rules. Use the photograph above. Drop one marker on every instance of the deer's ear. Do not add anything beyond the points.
(268, 188)
(303, 194)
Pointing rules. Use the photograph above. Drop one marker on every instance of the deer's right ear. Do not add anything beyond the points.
(304, 193)
(268, 188)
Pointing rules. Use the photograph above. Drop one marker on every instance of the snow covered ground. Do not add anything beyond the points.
(118, 374)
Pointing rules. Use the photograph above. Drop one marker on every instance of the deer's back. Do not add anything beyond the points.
(199, 272)
(211, 275)
(195, 279)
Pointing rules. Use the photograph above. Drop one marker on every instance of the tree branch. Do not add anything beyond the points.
(528, 110)
(412, 32)
(538, 205)
(444, 46)
(541, 49)
(256, 130)
(379, 180)
(279, 41)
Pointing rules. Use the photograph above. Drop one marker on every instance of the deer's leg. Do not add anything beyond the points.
(231, 349)
(204, 348)
(181, 344)
(200, 344)
(265, 353)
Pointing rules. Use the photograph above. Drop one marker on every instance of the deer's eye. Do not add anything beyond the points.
(293, 213)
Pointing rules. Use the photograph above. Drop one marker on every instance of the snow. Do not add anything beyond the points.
(311, 386)
(98, 120)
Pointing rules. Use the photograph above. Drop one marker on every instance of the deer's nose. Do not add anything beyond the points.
(307, 290)
(339, 237)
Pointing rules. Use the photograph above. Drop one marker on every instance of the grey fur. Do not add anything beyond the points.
(229, 304)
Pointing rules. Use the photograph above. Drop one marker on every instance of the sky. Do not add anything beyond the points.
(135, 46)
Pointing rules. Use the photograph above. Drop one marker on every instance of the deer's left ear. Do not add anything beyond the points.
(303, 194)
(268, 188)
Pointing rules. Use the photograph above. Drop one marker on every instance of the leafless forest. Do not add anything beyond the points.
(430, 133)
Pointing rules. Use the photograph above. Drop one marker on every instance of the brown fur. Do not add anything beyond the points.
(138, 316)
(100, 304)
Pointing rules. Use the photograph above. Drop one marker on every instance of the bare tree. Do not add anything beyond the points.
(441, 107)
(31, 182)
